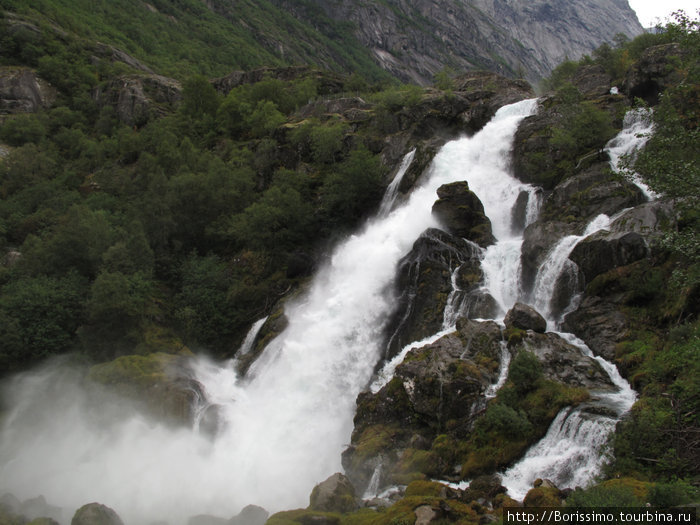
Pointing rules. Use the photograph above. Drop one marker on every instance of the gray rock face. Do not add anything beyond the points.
(564, 363)
(96, 514)
(415, 40)
(599, 323)
(525, 317)
(589, 193)
(22, 91)
(136, 97)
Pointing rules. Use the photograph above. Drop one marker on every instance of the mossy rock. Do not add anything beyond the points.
(425, 488)
(639, 488)
(152, 381)
(543, 497)
(305, 517)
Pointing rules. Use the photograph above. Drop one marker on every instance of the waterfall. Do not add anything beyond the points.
(570, 453)
(392, 190)
(557, 262)
(283, 427)
(250, 337)
(637, 127)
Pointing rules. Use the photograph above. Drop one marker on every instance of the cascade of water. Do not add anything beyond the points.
(637, 127)
(284, 427)
(570, 453)
(250, 337)
(555, 262)
(392, 190)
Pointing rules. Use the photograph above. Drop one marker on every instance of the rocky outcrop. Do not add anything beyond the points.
(564, 363)
(460, 211)
(327, 83)
(412, 424)
(424, 282)
(96, 514)
(653, 73)
(438, 386)
(605, 250)
(525, 317)
(22, 91)
(600, 323)
(137, 98)
(336, 494)
(589, 193)
(159, 382)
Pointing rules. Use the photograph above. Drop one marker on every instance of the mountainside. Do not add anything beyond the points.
(412, 41)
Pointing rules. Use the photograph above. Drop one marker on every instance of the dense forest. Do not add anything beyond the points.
(173, 227)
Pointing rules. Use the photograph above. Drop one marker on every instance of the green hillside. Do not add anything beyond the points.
(210, 38)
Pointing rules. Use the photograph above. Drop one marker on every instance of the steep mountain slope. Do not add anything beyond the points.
(416, 39)
(410, 40)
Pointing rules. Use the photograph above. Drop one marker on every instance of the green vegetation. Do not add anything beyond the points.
(178, 226)
(190, 37)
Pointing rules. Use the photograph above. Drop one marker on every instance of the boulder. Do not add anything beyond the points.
(525, 317)
(250, 515)
(22, 91)
(336, 494)
(632, 236)
(603, 251)
(460, 211)
(564, 363)
(158, 382)
(96, 514)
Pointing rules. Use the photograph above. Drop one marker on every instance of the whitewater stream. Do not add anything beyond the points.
(283, 426)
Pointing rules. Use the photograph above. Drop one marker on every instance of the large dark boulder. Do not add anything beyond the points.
(461, 212)
(631, 237)
(564, 363)
(96, 514)
(603, 251)
(525, 317)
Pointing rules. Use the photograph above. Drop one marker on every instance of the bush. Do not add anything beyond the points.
(525, 371)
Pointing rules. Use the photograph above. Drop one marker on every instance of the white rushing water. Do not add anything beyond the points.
(282, 428)
(571, 453)
(392, 190)
(556, 262)
(637, 127)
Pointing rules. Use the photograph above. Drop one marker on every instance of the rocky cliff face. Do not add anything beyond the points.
(414, 40)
